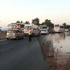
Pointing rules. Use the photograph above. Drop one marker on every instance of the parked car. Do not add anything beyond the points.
(14, 34)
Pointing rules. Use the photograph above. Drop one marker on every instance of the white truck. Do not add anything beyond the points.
(34, 29)
(15, 31)
(58, 28)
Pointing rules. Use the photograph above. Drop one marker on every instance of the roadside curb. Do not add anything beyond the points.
(42, 52)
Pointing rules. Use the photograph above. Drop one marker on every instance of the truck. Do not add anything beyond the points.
(15, 31)
(34, 29)
(58, 28)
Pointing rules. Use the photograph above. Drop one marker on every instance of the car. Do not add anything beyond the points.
(43, 31)
(14, 34)
(66, 30)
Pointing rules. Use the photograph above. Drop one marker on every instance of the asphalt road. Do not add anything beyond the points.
(21, 55)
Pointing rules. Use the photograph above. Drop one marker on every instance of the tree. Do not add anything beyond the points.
(68, 26)
(21, 22)
(64, 24)
(17, 21)
(27, 22)
(52, 25)
(35, 21)
(48, 23)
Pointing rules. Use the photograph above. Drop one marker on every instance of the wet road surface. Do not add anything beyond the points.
(21, 55)
(56, 50)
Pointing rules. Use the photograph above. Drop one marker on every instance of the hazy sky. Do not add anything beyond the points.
(58, 11)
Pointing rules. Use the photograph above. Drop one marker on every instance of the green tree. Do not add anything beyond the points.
(68, 26)
(52, 25)
(21, 22)
(27, 22)
(35, 21)
(48, 23)
(64, 24)
(18, 22)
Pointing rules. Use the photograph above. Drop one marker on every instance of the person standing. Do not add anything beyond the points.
(30, 35)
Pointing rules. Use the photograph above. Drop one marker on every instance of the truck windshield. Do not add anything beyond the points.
(27, 27)
(44, 27)
(11, 31)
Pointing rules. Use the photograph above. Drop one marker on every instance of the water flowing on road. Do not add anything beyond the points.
(56, 50)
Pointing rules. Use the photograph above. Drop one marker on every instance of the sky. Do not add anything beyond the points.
(58, 11)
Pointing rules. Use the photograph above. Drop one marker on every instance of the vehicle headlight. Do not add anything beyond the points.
(7, 33)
